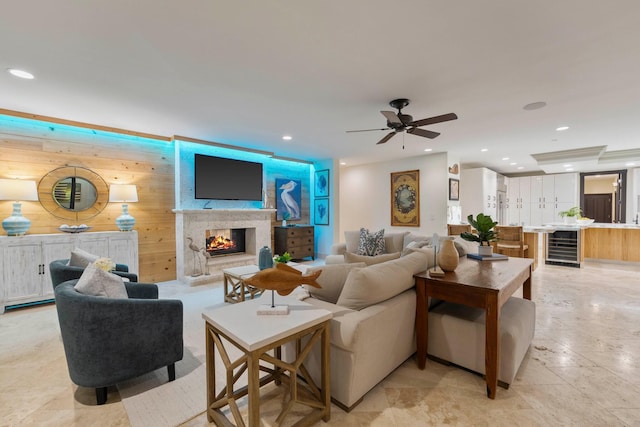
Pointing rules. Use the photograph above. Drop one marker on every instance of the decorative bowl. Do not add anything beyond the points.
(585, 221)
(74, 228)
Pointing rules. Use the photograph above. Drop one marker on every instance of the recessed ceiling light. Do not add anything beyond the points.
(484, 150)
(20, 73)
(505, 158)
(287, 138)
(569, 169)
(520, 167)
(513, 163)
(343, 163)
(566, 166)
(630, 164)
(428, 149)
(561, 128)
(534, 106)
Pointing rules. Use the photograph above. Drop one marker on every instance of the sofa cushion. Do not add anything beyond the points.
(332, 280)
(464, 246)
(369, 260)
(430, 257)
(371, 243)
(100, 283)
(81, 258)
(379, 282)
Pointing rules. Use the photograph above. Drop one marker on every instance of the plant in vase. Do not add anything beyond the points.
(284, 258)
(285, 217)
(483, 224)
(570, 216)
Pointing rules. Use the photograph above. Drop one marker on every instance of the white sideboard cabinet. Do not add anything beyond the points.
(24, 262)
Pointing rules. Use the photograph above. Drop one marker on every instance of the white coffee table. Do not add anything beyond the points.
(255, 335)
(235, 289)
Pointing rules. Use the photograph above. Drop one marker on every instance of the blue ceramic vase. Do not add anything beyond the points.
(265, 258)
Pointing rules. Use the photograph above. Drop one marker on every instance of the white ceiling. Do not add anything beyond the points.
(246, 73)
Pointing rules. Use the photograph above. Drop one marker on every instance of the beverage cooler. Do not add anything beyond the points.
(563, 248)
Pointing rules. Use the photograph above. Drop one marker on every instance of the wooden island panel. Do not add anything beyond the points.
(619, 244)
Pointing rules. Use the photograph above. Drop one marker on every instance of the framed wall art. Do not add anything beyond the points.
(322, 183)
(321, 212)
(454, 189)
(405, 198)
(288, 199)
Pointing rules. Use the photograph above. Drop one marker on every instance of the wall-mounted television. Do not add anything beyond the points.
(219, 178)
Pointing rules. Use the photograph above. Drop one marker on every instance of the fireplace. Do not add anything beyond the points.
(225, 241)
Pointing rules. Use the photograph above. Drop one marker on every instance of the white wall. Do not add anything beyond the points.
(365, 199)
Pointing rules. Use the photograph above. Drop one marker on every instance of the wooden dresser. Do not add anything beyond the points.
(297, 240)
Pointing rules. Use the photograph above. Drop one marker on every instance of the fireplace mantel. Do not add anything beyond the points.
(193, 223)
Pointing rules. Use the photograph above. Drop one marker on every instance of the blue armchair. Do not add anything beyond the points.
(109, 340)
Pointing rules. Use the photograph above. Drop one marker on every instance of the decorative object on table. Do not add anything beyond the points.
(448, 257)
(483, 224)
(74, 228)
(265, 258)
(492, 257)
(288, 198)
(124, 193)
(454, 189)
(405, 198)
(285, 217)
(282, 279)
(322, 183)
(571, 216)
(284, 258)
(18, 190)
(105, 264)
(321, 211)
(196, 258)
(435, 271)
(585, 221)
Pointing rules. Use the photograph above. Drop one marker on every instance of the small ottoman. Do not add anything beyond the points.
(457, 335)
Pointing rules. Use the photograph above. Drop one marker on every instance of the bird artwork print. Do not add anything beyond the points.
(288, 189)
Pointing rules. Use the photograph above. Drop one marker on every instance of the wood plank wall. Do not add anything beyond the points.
(31, 149)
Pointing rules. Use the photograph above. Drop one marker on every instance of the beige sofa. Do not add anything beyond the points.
(373, 324)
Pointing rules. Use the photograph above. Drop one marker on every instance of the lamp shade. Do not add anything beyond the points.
(18, 190)
(124, 193)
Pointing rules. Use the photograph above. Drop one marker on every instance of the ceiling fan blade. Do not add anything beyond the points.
(365, 130)
(386, 138)
(436, 119)
(423, 132)
(392, 117)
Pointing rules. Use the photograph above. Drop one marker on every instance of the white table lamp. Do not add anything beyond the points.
(124, 193)
(18, 190)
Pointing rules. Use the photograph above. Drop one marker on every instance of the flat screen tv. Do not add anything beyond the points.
(219, 178)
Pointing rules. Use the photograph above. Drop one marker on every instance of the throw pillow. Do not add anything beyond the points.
(371, 244)
(332, 280)
(379, 282)
(394, 242)
(369, 260)
(100, 283)
(81, 258)
(351, 239)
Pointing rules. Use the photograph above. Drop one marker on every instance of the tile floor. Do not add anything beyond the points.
(582, 369)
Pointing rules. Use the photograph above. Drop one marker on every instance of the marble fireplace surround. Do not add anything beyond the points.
(194, 223)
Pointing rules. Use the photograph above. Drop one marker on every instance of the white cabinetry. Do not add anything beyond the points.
(478, 190)
(551, 194)
(25, 260)
(519, 200)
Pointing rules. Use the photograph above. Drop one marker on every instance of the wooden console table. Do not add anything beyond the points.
(484, 284)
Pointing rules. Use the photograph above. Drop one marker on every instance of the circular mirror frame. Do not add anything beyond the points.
(46, 193)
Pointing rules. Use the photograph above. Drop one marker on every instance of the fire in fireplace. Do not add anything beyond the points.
(225, 241)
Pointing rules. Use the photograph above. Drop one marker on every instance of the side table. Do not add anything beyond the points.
(235, 289)
(260, 338)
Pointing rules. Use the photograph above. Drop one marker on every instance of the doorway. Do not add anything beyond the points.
(595, 190)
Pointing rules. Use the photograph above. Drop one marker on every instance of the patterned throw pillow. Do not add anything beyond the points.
(371, 244)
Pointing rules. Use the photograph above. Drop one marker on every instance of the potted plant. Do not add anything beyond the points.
(570, 216)
(483, 224)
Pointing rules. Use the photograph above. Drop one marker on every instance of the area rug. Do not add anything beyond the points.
(150, 400)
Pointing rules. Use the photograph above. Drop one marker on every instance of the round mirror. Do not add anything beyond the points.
(73, 193)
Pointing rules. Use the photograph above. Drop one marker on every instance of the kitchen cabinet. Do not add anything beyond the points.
(551, 194)
(25, 278)
(519, 200)
(478, 192)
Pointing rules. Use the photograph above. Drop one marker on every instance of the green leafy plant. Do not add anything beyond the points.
(285, 257)
(574, 211)
(286, 215)
(483, 224)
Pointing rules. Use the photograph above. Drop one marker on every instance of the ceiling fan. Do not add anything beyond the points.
(398, 122)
